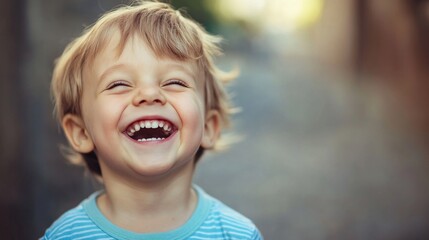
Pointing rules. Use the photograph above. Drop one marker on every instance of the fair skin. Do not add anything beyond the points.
(144, 117)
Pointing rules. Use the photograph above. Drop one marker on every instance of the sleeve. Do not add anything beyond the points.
(257, 235)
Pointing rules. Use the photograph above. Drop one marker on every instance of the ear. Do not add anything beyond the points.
(77, 134)
(211, 129)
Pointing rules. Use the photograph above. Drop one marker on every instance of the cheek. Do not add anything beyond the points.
(193, 122)
(190, 110)
(102, 115)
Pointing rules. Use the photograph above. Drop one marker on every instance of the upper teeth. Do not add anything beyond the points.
(149, 124)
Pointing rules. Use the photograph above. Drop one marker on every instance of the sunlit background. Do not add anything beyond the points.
(334, 115)
(277, 16)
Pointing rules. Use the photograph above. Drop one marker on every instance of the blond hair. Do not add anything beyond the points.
(166, 32)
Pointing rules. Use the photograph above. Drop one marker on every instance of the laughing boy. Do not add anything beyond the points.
(140, 100)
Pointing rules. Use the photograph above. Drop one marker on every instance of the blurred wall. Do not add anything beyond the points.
(13, 182)
(393, 53)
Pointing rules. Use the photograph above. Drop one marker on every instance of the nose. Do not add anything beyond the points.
(149, 95)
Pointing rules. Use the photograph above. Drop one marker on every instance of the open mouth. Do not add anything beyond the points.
(150, 130)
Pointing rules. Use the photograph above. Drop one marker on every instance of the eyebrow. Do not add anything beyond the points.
(109, 70)
(186, 67)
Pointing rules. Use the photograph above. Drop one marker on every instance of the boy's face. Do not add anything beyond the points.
(143, 115)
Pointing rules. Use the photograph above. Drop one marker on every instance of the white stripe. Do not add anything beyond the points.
(70, 221)
(78, 233)
(235, 222)
(204, 238)
(65, 228)
(229, 222)
(229, 228)
(222, 233)
(93, 235)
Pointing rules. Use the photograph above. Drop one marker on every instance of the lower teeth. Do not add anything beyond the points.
(150, 139)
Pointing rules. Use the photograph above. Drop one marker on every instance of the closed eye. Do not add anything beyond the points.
(117, 84)
(176, 82)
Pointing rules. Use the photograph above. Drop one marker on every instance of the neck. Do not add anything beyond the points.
(149, 206)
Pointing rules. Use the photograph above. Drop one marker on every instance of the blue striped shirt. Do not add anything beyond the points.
(211, 220)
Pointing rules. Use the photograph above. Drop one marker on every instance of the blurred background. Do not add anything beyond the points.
(335, 115)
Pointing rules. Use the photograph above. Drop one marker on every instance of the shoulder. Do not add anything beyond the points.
(74, 223)
(226, 223)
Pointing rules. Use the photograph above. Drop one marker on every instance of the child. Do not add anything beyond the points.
(140, 100)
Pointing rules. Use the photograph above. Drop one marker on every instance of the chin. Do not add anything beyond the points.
(161, 168)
